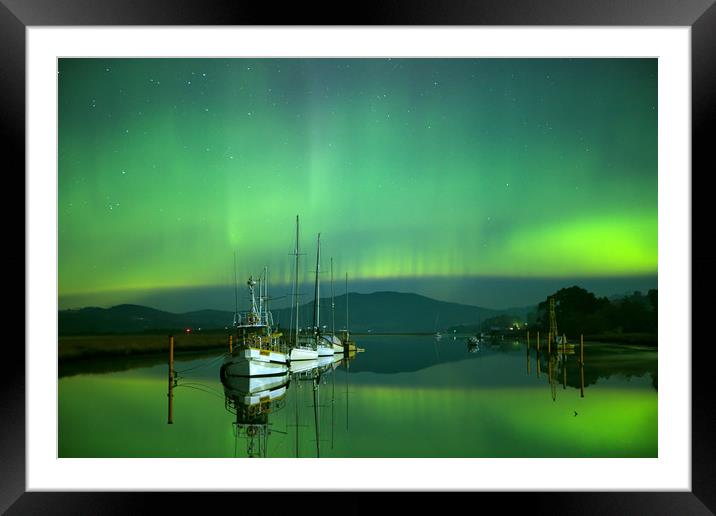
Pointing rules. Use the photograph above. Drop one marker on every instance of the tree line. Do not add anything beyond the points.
(580, 311)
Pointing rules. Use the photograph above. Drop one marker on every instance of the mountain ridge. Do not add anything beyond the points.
(384, 311)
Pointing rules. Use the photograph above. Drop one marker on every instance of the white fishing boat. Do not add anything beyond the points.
(259, 351)
(301, 348)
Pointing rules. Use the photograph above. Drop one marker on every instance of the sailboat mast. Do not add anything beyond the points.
(236, 292)
(316, 294)
(266, 306)
(295, 285)
(333, 304)
(346, 304)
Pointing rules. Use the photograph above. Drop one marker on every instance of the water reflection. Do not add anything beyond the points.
(481, 399)
(254, 399)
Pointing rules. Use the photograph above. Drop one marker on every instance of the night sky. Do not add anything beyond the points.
(485, 181)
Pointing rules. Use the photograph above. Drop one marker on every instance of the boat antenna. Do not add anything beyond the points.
(316, 294)
(333, 304)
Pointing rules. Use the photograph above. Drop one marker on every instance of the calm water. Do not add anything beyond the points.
(407, 396)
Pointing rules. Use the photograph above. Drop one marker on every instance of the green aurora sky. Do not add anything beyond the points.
(423, 175)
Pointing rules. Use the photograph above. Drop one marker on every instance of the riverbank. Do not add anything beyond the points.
(96, 346)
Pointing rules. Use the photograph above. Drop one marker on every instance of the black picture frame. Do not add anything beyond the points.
(699, 15)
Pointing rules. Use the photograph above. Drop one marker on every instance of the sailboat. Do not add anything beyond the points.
(301, 349)
(348, 344)
(259, 351)
(334, 341)
(324, 347)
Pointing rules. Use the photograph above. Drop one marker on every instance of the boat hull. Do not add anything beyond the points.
(246, 387)
(298, 354)
(334, 342)
(255, 362)
(301, 366)
(325, 350)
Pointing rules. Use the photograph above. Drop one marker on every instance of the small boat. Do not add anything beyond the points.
(473, 344)
(259, 351)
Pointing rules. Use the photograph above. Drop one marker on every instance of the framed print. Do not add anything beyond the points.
(433, 240)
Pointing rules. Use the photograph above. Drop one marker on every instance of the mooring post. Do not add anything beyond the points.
(549, 343)
(538, 341)
(231, 343)
(170, 392)
(581, 366)
(528, 340)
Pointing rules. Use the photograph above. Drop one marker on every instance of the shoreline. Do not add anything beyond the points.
(74, 348)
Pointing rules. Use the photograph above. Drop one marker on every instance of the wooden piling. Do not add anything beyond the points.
(549, 343)
(231, 343)
(170, 391)
(581, 349)
(539, 366)
(537, 341)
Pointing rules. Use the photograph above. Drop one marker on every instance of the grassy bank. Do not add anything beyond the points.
(92, 346)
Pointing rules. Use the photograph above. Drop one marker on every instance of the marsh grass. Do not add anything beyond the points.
(95, 346)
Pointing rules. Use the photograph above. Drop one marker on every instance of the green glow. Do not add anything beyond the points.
(409, 168)
(384, 421)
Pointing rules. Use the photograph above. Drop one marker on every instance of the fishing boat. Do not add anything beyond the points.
(323, 346)
(301, 348)
(259, 350)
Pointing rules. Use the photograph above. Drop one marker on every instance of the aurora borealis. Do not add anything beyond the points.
(415, 171)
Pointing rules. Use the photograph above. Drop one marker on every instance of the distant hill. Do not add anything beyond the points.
(389, 312)
(136, 319)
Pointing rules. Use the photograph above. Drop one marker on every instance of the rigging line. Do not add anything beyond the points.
(213, 360)
(200, 390)
(203, 385)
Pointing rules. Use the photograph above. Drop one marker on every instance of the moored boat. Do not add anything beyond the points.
(259, 351)
(301, 348)
(324, 347)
